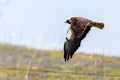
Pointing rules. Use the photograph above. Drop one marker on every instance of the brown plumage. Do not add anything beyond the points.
(79, 27)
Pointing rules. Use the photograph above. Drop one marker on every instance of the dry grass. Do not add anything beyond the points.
(31, 64)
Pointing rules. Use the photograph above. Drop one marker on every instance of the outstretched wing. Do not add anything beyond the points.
(72, 43)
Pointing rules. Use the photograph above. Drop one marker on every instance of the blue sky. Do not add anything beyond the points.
(40, 23)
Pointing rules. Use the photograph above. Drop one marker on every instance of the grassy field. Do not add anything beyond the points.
(23, 63)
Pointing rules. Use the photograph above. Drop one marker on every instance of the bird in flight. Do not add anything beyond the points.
(79, 27)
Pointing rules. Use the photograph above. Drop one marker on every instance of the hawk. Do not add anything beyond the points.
(79, 27)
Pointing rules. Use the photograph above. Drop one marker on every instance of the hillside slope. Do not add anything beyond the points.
(20, 63)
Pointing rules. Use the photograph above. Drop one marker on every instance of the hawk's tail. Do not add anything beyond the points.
(96, 24)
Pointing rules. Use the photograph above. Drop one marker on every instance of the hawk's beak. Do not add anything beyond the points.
(68, 21)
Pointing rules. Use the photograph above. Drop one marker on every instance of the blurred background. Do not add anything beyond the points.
(40, 23)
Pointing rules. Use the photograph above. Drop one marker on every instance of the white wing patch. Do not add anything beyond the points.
(70, 34)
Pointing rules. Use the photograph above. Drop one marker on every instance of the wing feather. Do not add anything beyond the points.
(71, 45)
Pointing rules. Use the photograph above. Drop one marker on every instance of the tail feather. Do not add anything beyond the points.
(96, 24)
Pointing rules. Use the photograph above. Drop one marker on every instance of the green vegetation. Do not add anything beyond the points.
(22, 63)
